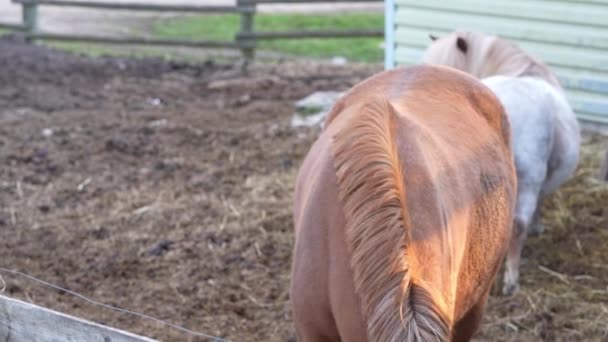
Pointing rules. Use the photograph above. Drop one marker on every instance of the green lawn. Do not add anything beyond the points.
(90, 49)
(224, 27)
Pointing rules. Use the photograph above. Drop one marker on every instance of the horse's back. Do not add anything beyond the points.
(437, 97)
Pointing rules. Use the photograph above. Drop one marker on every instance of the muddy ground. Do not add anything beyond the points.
(165, 188)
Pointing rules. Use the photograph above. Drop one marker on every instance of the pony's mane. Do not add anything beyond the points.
(371, 191)
(492, 55)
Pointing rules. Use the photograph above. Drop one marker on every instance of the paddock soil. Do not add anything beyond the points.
(166, 188)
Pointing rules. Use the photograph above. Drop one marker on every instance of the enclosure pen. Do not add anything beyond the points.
(165, 187)
(245, 40)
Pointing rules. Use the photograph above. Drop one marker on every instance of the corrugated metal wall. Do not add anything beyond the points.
(570, 35)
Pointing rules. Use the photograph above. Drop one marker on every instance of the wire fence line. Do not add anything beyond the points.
(105, 306)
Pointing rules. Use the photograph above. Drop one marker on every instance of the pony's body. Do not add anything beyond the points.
(534, 106)
(545, 146)
(403, 211)
(546, 136)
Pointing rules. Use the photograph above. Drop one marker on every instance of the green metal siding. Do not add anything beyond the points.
(571, 36)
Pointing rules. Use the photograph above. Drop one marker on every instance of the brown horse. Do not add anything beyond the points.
(403, 211)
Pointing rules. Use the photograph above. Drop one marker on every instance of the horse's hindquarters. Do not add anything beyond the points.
(321, 283)
(402, 211)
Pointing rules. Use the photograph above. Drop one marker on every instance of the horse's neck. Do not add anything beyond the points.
(537, 69)
(481, 63)
(496, 57)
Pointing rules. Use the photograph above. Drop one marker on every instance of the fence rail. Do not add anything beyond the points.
(14, 27)
(270, 2)
(25, 322)
(138, 41)
(132, 6)
(312, 34)
(245, 40)
(604, 167)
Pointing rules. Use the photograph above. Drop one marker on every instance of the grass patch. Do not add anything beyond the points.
(89, 49)
(308, 111)
(99, 50)
(93, 50)
(225, 27)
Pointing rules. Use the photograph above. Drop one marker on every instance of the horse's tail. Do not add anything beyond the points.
(371, 190)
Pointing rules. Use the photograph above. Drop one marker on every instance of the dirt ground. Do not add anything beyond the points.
(165, 188)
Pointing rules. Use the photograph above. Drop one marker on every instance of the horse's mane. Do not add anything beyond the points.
(371, 190)
(489, 55)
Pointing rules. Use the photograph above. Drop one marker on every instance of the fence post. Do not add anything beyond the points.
(248, 49)
(29, 11)
(604, 168)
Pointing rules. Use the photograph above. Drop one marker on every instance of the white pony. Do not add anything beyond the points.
(546, 134)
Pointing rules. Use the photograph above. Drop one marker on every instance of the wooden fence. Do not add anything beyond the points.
(604, 168)
(25, 322)
(245, 40)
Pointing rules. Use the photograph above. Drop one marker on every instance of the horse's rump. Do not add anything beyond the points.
(370, 179)
(440, 138)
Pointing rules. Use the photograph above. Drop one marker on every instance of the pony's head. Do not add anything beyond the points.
(450, 50)
(484, 55)
(460, 50)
